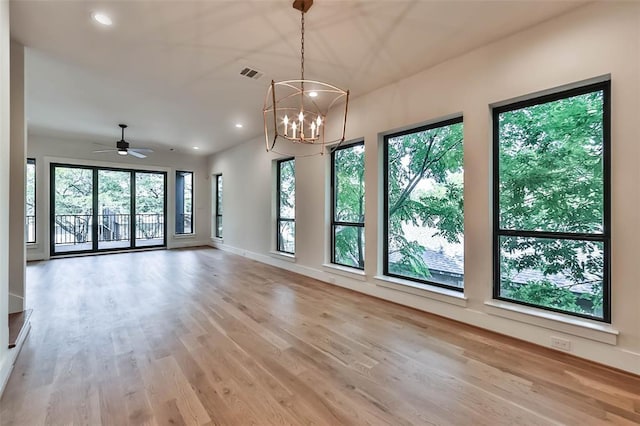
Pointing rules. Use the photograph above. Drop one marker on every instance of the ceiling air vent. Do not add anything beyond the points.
(251, 73)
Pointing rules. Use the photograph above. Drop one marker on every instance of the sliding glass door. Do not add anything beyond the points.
(72, 209)
(150, 208)
(100, 209)
(114, 209)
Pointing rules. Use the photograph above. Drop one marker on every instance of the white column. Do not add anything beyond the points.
(4, 189)
(18, 151)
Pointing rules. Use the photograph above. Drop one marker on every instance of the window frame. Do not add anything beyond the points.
(334, 193)
(218, 206)
(278, 201)
(191, 213)
(31, 160)
(604, 238)
(385, 165)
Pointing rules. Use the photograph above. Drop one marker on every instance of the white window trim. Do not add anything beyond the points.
(568, 324)
(283, 256)
(345, 271)
(424, 290)
(184, 236)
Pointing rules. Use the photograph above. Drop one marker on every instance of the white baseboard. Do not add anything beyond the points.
(184, 243)
(12, 355)
(33, 256)
(16, 303)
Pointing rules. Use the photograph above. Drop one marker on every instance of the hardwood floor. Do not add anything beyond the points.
(205, 337)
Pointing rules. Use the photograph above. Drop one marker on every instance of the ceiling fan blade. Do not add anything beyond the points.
(145, 150)
(104, 150)
(136, 153)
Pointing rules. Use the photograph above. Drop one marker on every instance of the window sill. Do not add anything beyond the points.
(554, 321)
(180, 236)
(283, 256)
(423, 290)
(345, 271)
(217, 240)
(32, 246)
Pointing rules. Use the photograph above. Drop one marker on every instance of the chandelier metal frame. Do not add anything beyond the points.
(291, 107)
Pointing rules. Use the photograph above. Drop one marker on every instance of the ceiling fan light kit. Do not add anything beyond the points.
(296, 110)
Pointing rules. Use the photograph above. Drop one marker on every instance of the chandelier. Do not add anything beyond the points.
(296, 111)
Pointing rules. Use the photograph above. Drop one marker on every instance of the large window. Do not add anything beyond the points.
(551, 196)
(218, 215)
(30, 202)
(286, 209)
(423, 190)
(347, 207)
(184, 202)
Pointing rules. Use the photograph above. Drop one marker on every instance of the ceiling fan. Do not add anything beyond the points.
(122, 147)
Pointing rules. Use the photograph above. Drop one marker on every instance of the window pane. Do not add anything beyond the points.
(349, 246)
(218, 214)
(219, 194)
(184, 202)
(149, 209)
(425, 205)
(73, 209)
(114, 209)
(287, 189)
(287, 236)
(566, 275)
(30, 201)
(349, 184)
(551, 166)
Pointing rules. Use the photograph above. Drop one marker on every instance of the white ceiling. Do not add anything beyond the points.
(170, 69)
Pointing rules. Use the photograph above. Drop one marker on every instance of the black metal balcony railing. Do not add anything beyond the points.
(73, 228)
(113, 227)
(149, 226)
(76, 229)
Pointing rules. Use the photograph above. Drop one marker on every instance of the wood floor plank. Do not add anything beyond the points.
(204, 337)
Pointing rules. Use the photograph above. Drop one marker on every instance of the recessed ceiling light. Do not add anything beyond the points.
(313, 94)
(239, 125)
(196, 147)
(103, 19)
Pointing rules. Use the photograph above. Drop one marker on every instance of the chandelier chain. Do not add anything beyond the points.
(302, 45)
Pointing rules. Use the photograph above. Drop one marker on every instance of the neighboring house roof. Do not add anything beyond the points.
(438, 261)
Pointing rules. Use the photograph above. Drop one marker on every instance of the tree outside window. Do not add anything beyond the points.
(30, 202)
(347, 225)
(218, 215)
(551, 194)
(286, 212)
(424, 215)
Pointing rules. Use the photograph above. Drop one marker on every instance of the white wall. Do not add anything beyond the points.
(5, 118)
(593, 41)
(46, 150)
(17, 190)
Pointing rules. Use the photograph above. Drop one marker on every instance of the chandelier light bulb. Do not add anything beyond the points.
(294, 127)
(286, 124)
(319, 121)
